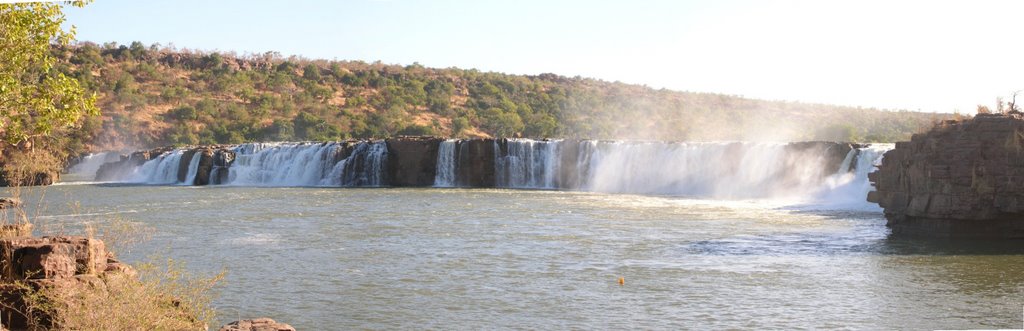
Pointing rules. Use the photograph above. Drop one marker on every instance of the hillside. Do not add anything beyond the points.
(153, 96)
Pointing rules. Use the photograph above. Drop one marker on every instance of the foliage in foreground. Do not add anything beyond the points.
(40, 107)
(35, 100)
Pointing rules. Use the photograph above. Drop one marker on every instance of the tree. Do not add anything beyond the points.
(459, 124)
(311, 72)
(1012, 106)
(36, 99)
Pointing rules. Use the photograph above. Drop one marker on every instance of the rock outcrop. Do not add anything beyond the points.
(49, 261)
(476, 157)
(412, 161)
(961, 179)
(257, 324)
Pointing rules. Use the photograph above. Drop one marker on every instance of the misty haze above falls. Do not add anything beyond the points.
(727, 170)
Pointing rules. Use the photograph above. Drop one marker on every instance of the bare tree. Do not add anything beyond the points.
(1013, 108)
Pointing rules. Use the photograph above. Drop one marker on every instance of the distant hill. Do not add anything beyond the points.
(153, 96)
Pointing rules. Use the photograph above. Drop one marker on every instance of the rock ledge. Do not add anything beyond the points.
(960, 179)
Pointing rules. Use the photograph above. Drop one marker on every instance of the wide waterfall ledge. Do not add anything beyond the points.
(832, 171)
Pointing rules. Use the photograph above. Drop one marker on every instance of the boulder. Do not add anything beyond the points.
(24, 258)
(257, 324)
(29, 263)
(960, 179)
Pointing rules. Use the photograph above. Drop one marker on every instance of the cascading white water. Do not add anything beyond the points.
(364, 167)
(527, 163)
(308, 164)
(281, 164)
(446, 164)
(848, 188)
(160, 170)
(86, 169)
(715, 170)
(806, 172)
(193, 169)
(706, 170)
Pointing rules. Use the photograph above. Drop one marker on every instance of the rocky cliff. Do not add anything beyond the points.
(961, 179)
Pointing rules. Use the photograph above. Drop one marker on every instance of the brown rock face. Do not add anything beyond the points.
(571, 177)
(258, 324)
(50, 262)
(961, 179)
(50, 257)
(476, 163)
(213, 164)
(412, 161)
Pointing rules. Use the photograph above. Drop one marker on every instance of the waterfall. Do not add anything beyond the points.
(160, 170)
(526, 163)
(365, 166)
(715, 170)
(193, 169)
(849, 186)
(281, 164)
(309, 164)
(727, 170)
(86, 168)
(446, 164)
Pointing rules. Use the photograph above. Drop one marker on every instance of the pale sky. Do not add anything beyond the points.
(916, 55)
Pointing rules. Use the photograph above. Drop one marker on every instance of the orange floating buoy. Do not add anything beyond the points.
(622, 280)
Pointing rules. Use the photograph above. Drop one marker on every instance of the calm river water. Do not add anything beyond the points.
(335, 258)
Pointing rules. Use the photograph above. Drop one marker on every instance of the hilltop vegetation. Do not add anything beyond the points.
(151, 96)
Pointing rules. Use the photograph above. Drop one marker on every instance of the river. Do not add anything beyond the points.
(703, 235)
(430, 258)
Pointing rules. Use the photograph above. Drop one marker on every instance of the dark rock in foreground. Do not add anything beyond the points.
(961, 179)
(52, 262)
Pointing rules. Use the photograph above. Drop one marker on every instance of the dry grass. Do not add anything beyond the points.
(162, 297)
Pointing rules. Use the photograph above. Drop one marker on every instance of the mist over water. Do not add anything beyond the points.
(85, 169)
